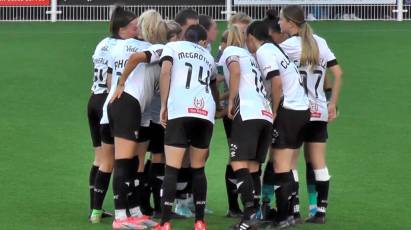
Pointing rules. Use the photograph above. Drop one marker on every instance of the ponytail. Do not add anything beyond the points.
(310, 54)
(235, 37)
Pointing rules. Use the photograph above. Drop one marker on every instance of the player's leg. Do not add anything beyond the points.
(94, 125)
(175, 144)
(230, 179)
(317, 150)
(310, 179)
(124, 117)
(104, 174)
(184, 189)
(136, 198)
(288, 135)
(156, 171)
(243, 148)
(200, 142)
(295, 199)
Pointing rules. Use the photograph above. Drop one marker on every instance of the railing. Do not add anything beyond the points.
(102, 12)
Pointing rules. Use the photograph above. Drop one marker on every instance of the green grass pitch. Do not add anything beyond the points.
(45, 148)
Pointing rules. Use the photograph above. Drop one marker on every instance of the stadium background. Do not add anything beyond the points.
(45, 149)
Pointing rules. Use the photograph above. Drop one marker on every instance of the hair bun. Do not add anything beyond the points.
(272, 14)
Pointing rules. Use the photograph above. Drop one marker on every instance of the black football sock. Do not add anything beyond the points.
(199, 191)
(100, 189)
(257, 188)
(268, 183)
(230, 183)
(168, 193)
(183, 183)
(246, 189)
(122, 185)
(322, 186)
(284, 184)
(146, 191)
(156, 181)
(92, 182)
(295, 196)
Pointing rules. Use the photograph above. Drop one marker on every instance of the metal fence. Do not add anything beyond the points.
(102, 12)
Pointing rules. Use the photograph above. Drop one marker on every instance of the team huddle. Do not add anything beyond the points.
(157, 89)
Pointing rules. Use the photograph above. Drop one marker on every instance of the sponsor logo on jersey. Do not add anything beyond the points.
(267, 113)
(198, 108)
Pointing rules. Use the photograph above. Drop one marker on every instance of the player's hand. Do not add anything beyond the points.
(230, 110)
(117, 94)
(332, 112)
(163, 116)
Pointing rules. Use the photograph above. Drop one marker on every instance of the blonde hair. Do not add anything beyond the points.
(235, 37)
(240, 18)
(173, 28)
(152, 27)
(310, 53)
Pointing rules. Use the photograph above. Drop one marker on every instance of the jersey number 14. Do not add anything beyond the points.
(204, 82)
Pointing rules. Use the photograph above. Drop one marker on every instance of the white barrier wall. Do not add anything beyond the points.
(386, 12)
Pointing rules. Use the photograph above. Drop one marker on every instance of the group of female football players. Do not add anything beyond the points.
(157, 88)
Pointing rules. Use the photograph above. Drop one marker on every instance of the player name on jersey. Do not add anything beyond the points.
(193, 55)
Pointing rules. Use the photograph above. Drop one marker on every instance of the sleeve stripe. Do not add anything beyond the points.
(166, 58)
(332, 63)
(148, 56)
(272, 74)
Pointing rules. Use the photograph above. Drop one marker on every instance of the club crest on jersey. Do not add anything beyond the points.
(315, 113)
(198, 107)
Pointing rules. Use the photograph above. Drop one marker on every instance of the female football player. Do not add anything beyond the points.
(188, 95)
(290, 111)
(122, 26)
(251, 113)
(268, 178)
(156, 138)
(211, 26)
(313, 57)
(125, 115)
(242, 20)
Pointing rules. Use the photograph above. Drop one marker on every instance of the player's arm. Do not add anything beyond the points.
(276, 90)
(235, 73)
(216, 97)
(133, 61)
(109, 76)
(164, 89)
(336, 86)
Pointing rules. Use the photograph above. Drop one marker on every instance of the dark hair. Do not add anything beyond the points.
(120, 18)
(259, 30)
(272, 19)
(183, 15)
(195, 33)
(205, 21)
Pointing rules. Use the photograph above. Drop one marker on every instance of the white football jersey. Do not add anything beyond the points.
(271, 58)
(193, 69)
(136, 82)
(315, 75)
(101, 58)
(252, 96)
